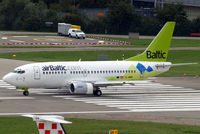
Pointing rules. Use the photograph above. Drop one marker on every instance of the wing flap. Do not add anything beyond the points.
(115, 83)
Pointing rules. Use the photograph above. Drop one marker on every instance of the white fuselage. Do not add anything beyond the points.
(60, 74)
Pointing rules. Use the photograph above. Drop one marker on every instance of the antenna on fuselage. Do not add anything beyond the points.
(79, 60)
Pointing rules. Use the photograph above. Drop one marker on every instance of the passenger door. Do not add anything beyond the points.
(36, 72)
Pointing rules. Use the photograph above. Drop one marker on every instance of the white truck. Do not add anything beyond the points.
(63, 29)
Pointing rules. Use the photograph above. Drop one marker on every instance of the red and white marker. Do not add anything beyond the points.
(49, 124)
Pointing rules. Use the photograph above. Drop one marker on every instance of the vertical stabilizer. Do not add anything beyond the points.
(158, 49)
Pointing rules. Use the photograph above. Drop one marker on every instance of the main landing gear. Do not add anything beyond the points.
(97, 92)
(25, 93)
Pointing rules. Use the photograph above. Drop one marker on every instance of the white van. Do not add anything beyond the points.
(76, 33)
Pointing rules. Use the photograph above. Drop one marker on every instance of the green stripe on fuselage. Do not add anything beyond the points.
(131, 76)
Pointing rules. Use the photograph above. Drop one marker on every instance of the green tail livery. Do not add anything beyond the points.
(158, 49)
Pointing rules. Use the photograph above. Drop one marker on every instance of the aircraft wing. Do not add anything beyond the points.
(115, 83)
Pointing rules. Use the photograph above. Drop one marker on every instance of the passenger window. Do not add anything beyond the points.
(49, 72)
(43, 72)
(52, 72)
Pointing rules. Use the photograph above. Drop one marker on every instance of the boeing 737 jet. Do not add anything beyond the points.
(86, 77)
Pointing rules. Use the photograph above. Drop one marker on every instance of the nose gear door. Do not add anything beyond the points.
(36, 72)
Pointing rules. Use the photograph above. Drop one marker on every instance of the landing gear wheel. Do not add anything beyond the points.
(25, 93)
(97, 93)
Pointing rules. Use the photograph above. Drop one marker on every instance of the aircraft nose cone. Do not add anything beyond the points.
(8, 78)
(5, 78)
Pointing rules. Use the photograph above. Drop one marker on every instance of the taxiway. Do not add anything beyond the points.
(166, 100)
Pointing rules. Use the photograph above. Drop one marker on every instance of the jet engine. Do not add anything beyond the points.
(81, 88)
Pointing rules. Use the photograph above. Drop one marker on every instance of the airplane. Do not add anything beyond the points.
(86, 77)
(49, 124)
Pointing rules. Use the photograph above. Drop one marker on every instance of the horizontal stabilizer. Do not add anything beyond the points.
(171, 65)
(183, 64)
(51, 118)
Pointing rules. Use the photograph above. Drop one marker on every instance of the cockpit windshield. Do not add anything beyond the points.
(19, 71)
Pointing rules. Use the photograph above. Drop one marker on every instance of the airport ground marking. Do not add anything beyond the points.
(63, 113)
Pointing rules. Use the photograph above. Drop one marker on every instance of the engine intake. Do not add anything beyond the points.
(81, 88)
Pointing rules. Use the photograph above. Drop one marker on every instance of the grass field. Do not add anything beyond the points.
(186, 56)
(146, 42)
(21, 125)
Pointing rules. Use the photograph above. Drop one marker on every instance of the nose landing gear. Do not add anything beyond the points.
(25, 90)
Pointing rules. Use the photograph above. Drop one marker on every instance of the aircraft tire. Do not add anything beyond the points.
(98, 93)
(26, 93)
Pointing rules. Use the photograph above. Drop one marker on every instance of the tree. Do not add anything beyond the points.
(196, 25)
(119, 17)
(74, 19)
(12, 13)
(96, 26)
(24, 15)
(33, 23)
(175, 12)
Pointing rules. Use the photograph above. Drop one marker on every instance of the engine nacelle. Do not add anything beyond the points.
(81, 88)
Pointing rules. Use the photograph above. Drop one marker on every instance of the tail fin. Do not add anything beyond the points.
(158, 49)
(49, 124)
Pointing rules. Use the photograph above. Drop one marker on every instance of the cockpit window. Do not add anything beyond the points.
(19, 71)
